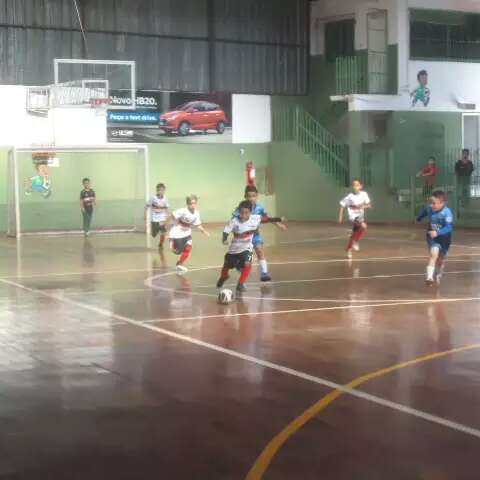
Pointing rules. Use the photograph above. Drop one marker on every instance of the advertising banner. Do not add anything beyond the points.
(171, 117)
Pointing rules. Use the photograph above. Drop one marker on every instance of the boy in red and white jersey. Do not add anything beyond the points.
(355, 202)
(181, 233)
(244, 226)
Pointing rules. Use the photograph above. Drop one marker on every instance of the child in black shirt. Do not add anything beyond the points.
(87, 201)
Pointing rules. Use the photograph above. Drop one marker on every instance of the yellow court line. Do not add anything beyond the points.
(264, 460)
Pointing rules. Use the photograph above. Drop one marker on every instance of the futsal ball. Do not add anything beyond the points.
(225, 296)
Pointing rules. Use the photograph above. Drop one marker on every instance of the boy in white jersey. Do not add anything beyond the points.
(244, 226)
(158, 204)
(181, 233)
(355, 202)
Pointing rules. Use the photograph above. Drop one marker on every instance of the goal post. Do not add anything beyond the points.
(44, 184)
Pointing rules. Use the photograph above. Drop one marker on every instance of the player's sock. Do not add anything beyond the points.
(351, 241)
(263, 266)
(245, 274)
(223, 277)
(439, 273)
(430, 272)
(360, 234)
(186, 253)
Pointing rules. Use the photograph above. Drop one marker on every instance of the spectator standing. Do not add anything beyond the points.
(429, 175)
(463, 170)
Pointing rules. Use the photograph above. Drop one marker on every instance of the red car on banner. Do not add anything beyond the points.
(196, 115)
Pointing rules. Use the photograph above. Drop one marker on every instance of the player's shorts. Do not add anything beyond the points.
(257, 240)
(38, 189)
(237, 260)
(442, 243)
(178, 244)
(157, 227)
(357, 223)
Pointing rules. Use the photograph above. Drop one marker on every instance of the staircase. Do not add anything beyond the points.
(294, 124)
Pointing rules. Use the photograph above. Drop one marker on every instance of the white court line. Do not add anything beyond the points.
(329, 279)
(278, 282)
(263, 363)
(85, 272)
(149, 283)
(368, 259)
(107, 292)
(312, 240)
(392, 240)
(293, 262)
(306, 310)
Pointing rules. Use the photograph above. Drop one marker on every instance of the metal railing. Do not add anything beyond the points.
(297, 125)
(362, 74)
(463, 193)
(351, 75)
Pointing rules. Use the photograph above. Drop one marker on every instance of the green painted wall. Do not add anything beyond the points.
(417, 135)
(216, 173)
(332, 115)
(392, 60)
(302, 191)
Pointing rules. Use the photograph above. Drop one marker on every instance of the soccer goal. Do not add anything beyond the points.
(44, 186)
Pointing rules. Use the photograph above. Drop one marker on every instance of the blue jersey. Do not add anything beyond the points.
(440, 222)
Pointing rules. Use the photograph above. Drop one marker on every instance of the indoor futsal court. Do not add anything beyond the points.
(239, 240)
(116, 367)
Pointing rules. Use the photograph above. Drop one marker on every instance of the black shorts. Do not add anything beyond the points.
(178, 244)
(157, 227)
(237, 260)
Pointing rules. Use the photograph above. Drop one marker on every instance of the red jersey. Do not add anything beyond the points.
(429, 173)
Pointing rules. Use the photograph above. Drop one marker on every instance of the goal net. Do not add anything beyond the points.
(44, 188)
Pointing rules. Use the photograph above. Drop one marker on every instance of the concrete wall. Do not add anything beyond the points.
(62, 126)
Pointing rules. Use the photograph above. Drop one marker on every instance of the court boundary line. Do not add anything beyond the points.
(278, 282)
(149, 283)
(257, 361)
(288, 262)
(331, 279)
(307, 310)
(267, 455)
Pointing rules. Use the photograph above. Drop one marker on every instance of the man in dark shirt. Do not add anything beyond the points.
(87, 201)
(463, 170)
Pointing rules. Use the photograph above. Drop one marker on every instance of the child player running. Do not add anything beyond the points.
(439, 235)
(181, 233)
(251, 194)
(158, 204)
(244, 227)
(355, 202)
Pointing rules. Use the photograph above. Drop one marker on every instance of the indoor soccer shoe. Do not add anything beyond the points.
(181, 270)
(356, 246)
(429, 282)
(221, 282)
(349, 253)
(241, 288)
(265, 277)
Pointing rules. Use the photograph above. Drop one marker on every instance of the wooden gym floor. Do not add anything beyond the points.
(112, 367)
